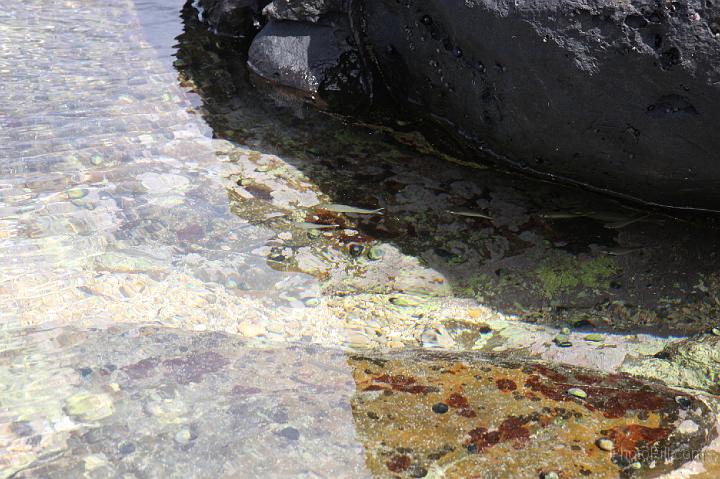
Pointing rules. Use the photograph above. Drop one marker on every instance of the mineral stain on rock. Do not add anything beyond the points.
(506, 385)
(192, 368)
(519, 410)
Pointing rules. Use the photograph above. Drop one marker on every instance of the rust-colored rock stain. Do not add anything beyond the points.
(512, 420)
(506, 385)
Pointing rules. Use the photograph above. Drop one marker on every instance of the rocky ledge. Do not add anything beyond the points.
(622, 97)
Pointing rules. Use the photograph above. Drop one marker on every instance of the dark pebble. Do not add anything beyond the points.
(21, 428)
(355, 249)
(289, 433)
(85, 372)
(127, 448)
(440, 408)
(418, 471)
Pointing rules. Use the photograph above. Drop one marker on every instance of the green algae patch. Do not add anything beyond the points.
(572, 273)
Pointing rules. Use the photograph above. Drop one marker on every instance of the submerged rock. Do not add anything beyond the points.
(621, 97)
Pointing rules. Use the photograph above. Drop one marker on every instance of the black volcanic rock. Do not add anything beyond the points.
(618, 96)
(233, 17)
(312, 53)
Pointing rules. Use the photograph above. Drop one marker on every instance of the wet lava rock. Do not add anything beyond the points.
(621, 97)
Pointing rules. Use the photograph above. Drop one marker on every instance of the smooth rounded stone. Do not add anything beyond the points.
(163, 183)
(404, 302)
(77, 193)
(715, 331)
(578, 393)
(184, 436)
(312, 302)
(594, 338)
(605, 444)
(549, 475)
(289, 433)
(562, 341)
(440, 408)
(90, 407)
(376, 253)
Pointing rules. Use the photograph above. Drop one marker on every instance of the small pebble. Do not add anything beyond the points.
(404, 302)
(595, 338)
(683, 402)
(127, 448)
(289, 433)
(77, 193)
(605, 444)
(355, 249)
(565, 331)
(549, 475)
(312, 302)
(184, 436)
(440, 408)
(578, 393)
(635, 465)
(562, 341)
(715, 331)
(375, 253)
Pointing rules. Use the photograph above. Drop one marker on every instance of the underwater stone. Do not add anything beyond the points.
(376, 253)
(90, 407)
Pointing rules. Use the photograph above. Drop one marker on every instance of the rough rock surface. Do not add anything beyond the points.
(233, 17)
(623, 96)
(619, 96)
(309, 48)
(309, 11)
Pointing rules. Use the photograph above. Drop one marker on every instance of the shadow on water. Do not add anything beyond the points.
(545, 252)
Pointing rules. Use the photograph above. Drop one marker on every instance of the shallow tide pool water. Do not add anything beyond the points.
(201, 280)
